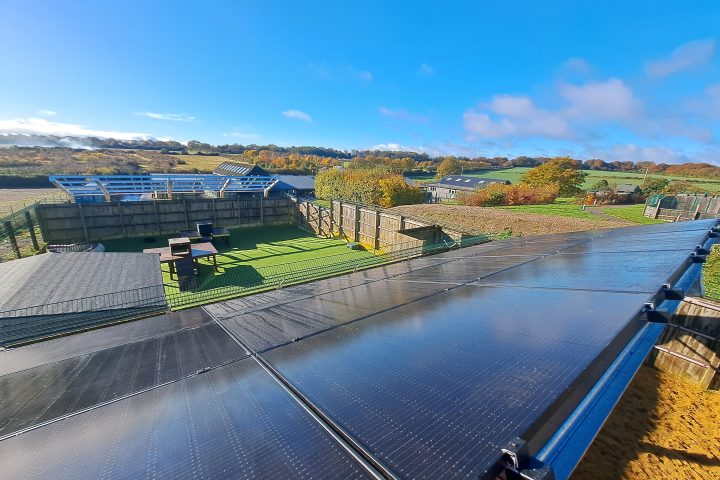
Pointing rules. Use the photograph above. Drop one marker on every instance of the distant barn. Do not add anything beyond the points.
(449, 186)
(240, 169)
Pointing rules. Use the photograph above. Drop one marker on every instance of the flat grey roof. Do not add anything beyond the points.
(59, 277)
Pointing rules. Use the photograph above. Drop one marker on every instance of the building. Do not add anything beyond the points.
(449, 186)
(626, 188)
(240, 169)
(299, 185)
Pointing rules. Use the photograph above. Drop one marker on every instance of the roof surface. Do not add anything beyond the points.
(626, 188)
(295, 182)
(239, 168)
(429, 366)
(466, 181)
(59, 277)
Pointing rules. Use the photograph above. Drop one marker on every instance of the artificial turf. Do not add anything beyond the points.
(254, 255)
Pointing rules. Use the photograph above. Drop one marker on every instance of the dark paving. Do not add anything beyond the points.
(233, 422)
(430, 364)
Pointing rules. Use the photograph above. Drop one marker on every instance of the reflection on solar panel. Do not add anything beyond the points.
(420, 369)
(107, 185)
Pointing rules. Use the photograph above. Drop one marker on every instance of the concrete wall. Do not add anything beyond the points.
(72, 222)
(685, 207)
(689, 346)
(373, 227)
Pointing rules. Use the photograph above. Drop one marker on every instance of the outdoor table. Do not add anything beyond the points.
(199, 250)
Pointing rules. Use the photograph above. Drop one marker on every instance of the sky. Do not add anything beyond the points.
(615, 80)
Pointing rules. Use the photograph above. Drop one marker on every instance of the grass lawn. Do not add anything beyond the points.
(631, 213)
(255, 255)
(711, 274)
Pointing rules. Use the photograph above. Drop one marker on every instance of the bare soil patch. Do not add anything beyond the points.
(480, 220)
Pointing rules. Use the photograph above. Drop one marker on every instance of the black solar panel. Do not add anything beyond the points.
(430, 365)
(234, 422)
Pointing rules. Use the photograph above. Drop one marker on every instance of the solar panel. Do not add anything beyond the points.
(430, 365)
(233, 422)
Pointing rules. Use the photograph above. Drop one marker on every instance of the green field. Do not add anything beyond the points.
(613, 178)
(631, 213)
(255, 255)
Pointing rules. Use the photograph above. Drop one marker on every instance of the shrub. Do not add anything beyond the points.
(371, 186)
(519, 194)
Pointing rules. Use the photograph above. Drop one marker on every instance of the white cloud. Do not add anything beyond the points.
(514, 116)
(402, 114)
(242, 135)
(426, 70)
(601, 100)
(40, 126)
(47, 113)
(576, 65)
(519, 117)
(684, 57)
(708, 104)
(396, 147)
(173, 117)
(297, 115)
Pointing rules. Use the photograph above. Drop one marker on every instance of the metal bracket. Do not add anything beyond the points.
(654, 315)
(517, 464)
(695, 258)
(672, 293)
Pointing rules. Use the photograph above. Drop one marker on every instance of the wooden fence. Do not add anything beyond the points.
(73, 222)
(689, 345)
(683, 207)
(373, 227)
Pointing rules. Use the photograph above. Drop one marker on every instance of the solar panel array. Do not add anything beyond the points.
(103, 185)
(419, 369)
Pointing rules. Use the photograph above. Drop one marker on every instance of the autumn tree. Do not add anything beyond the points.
(562, 172)
(654, 185)
(449, 166)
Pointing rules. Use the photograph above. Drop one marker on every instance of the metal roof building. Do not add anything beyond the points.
(448, 186)
(503, 356)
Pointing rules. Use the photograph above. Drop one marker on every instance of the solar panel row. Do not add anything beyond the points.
(429, 365)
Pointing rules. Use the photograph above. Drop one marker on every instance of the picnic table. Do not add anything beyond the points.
(199, 250)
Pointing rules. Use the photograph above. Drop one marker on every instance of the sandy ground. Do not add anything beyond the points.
(480, 220)
(663, 428)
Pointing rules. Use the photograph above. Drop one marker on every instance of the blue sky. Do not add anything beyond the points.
(613, 80)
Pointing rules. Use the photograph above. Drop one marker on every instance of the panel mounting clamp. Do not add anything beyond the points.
(516, 463)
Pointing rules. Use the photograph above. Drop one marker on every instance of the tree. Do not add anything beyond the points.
(681, 186)
(653, 185)
(449, 166)
(600, 186)
(561, 172)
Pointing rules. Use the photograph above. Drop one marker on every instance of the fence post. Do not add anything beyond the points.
(262, 210)
(41, 223)
(82, 221)
(11, 236)
(31, 230)
(187, 219)
(239, 215)
(340, 218)
(332, 218)
(122, 219)
(377, 230)
(157, 216)
(357, 223)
